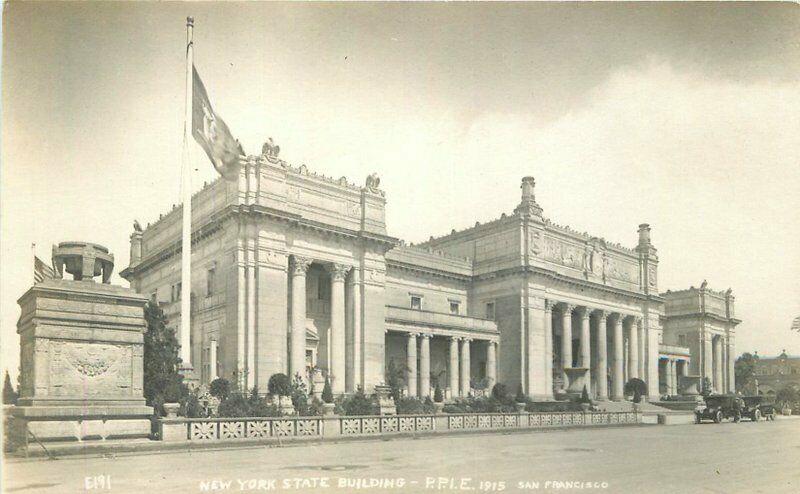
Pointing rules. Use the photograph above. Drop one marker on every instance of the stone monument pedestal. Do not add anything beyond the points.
(81, 349)
(577, 377)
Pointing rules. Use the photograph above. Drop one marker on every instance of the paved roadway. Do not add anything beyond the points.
(725, 458)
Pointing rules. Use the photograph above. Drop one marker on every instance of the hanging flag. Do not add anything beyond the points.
(796, 324)
(41, 271)
(211, 132)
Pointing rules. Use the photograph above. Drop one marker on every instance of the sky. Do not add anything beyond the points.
(684, 116)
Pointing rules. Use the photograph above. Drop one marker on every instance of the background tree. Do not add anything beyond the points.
(745, 370)
(9, 395)
(162, 382)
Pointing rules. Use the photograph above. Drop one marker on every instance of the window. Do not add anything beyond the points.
(455, 307)
(416, 302)
(682, 340)
(210, 282)
(490, 310)
(176, 291)
(323, 288)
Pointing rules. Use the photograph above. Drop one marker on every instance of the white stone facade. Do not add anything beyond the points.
(699, 338)
(285, 252)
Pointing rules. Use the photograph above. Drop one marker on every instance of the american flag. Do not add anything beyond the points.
(41, 271)
(796, 324)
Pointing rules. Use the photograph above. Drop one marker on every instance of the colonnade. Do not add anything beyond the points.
(674, 368)
(419, 364)
(616, 324)
(338, 367)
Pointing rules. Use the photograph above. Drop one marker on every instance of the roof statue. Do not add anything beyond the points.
(373, 182)
(703, 285)
(136, 226)
(270, 150)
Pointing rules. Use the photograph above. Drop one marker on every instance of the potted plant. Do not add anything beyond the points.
(328, 406)
(637, 388)
(438, 399)
(280, 389)
(173, 393)
(584, 401)
(520, 402)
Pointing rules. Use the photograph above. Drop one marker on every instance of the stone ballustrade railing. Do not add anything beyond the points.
(209, 429)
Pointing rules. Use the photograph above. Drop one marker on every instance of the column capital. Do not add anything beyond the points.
(426, 335)
(568, 308)
(584, 311)
(412, 335)
(466, 339)
(300, 265)
(549, 304)
(455, 338)
(338, 272)
(602, 314)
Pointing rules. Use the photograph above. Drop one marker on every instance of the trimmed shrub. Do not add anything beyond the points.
(327, 392)
(280, 385)
(358, 404)
(414, 406)
(584, 396)
(438, 396)
(500, 392)
(220, 388)
(237, 405)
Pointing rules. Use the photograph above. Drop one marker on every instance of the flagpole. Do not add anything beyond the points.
(186, 230)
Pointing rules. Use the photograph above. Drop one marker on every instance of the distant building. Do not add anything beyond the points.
(294, 271)
(699, 338)
(776, 373)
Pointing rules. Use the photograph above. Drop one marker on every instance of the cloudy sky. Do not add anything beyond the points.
(682, 116)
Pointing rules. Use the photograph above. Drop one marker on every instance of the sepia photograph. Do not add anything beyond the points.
(310, 247)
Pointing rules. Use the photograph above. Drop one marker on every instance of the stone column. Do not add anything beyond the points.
(616, 364)
(566, 340)
(297, 360)
(585, 348)
(548, 349)
(425, 366)
(731, 365)
(602, 356)
(708, 358)
(641, 336)
(491, 364)
(465, 374)
(718, 386)
(352, 333)
(411, 364)
(251, 316)
(673, 372)
(633, 350)
(212, 361)
(453, 370)
(337, 366)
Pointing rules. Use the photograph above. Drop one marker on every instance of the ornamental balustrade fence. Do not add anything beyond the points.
(206, 429)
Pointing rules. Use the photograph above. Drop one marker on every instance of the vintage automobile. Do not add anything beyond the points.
(756, 407)
(718, 408)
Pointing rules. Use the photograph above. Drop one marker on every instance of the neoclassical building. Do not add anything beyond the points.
(698, 338)
(291, 270)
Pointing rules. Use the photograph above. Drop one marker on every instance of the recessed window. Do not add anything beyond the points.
(681, 340)
(210, 282)
(416, 302)
(455, 307)
(490, 310)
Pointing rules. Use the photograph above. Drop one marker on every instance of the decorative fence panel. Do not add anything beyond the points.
(332, 426)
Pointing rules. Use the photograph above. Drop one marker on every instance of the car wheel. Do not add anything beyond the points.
(718, 417)
(756, 415)
(697, 419)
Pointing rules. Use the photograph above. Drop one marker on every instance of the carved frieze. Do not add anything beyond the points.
(651, 276)
(619, 269)
(563, 253)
